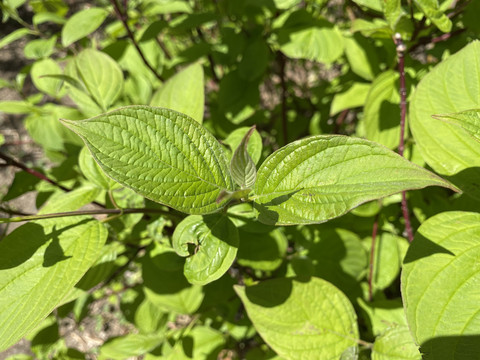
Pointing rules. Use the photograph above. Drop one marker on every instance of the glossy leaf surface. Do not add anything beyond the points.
(159, 153)
(322, 177)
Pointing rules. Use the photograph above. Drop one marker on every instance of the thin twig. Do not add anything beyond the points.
(283, 82)
(372, 259)
(123, 16)
(88, 212)
(340, 120)
(12, 162)
(401, 49)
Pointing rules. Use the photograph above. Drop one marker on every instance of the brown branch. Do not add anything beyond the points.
(12, 162)
(123, 17)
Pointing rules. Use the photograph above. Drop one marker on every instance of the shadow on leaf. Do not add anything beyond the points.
(451, 347)
(422, 248)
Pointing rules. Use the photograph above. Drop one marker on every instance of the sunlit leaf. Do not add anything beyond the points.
(160, 154)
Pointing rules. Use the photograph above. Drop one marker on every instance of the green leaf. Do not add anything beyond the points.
(469, 120)
(48, 85)
(130, 345)
(254, 145)
(322, 177)
(165, 284)
(301, 320)
(183, 92)
(382, 110)
(242, 167)
(371, 4)
(451, 87)
(13, 36)
(263, 252)
(211, 244)
(161, 154)
(387, 260)
(432, 11)
(93, 172)
(40, 264)
(100, 75)
(254, 59)
(40, 48)
(440, 280)
(382, 314)
(16, 107)
(396, 343)
(353, 97)
(305, 37)
(362, 56)
(81, 24)
(149, 318)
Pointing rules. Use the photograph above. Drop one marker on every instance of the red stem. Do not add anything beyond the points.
(401, 48)
(372, 259)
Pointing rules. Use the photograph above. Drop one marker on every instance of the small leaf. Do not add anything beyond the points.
(469, 120)
(13, 36)
(440, 280)
(100, 75)
(396, 343)
(301, 320)
(353, 97)
(40, 48)
(40, 264)
(183, 92)
(322, 177)
(432, 11)
(242, 167)
(50, 86)
(130, 345)
(214, 240)
(254, 146)
(161, 154)
(81, 24)
(93, 172)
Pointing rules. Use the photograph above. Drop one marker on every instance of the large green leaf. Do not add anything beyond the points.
(440, 289)
(159, 153)
(101, 77)
(210, 242)
(183, 92)
(322, 177)
(452, 86)
(40, 264)
(396, 343)
(469, 120)
(301, 320)
(81, 24)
